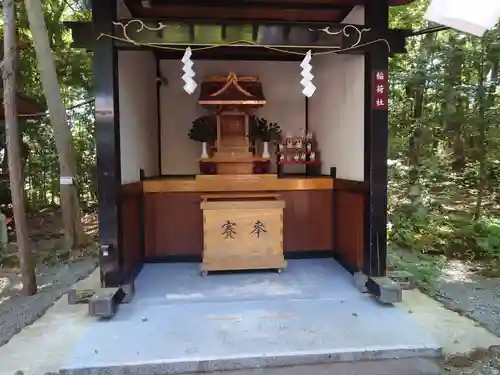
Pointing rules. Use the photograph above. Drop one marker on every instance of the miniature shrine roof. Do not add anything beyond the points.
(231, 90)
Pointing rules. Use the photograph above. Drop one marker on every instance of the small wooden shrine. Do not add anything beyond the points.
(240, 231)
(231, 98)
(152, 210)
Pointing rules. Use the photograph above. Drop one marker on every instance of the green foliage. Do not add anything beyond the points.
(442, 223)
(261, 129)
(204, 129)
(486, 235)
(426, 269)
(75, 77)
(444, 193)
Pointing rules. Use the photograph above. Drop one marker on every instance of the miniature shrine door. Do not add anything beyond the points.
(232, 130)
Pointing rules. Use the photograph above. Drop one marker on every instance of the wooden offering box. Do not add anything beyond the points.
(242, 232)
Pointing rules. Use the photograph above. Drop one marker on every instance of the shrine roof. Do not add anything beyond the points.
(25, 106)
(270, 10)
(231, 90)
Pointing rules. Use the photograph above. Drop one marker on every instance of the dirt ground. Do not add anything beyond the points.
(56, 271)
(46, 234)
(463, 288)
(480, 362)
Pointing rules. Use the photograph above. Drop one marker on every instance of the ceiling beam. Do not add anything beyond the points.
(221, 14)
(269, 5)
(286, 3)
(232, 53)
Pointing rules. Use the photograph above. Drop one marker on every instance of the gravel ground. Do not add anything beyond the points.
(481, 362)
(478, 298)
(17, 311)
(460, 288)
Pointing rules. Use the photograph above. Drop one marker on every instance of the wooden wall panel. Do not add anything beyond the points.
(307, 220)
(174, 222)
(313, 220)
(349, 227)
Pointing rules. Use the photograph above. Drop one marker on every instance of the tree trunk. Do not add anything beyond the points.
(14, 151)
(454, 101)
(481, 183)
(416, 88)
(73, 229)
(485, 100)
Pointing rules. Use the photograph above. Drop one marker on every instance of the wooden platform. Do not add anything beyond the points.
(172, 224)
(217, 183)
(230, 178)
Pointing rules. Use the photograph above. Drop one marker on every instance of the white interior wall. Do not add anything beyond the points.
(336, 110)
(138, 114)
(336, 114)
(281, 86)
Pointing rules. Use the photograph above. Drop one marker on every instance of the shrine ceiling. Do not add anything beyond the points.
(262, 10)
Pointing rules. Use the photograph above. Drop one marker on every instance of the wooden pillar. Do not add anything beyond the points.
(107, 142)
(158, 110)
(376, 146)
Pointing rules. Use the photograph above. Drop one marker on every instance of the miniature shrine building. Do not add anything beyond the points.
(245, 167)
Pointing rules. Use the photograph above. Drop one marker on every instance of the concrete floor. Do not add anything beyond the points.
(311, 313)
(43, 346)
(47, 344)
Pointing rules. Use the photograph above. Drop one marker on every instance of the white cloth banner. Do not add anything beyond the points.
(471, 16)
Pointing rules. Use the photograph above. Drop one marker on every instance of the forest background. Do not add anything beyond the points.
(444, 155)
